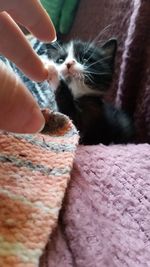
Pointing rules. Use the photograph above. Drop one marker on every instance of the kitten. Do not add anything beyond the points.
(80, 73)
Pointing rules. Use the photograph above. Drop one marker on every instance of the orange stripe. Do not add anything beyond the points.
(23, 223)
(36, 155)
(33, 185)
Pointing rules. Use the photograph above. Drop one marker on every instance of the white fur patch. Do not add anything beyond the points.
(70, 50)
(79, 88)
(74, 77)
(76, 82)
(76, 85)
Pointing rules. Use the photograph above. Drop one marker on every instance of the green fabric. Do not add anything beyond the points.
(67, 15)
(62, 13)
(53, 8)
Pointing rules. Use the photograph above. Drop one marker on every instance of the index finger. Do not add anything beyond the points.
(15, 47)
(32, 16)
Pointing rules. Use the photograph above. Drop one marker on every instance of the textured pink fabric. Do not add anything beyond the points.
(134, 80)
(105, 221)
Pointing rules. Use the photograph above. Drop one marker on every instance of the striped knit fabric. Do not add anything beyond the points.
(34, 172)
(41, 91)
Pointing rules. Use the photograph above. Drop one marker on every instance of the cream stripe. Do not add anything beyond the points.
(19, 250)
(37, 204)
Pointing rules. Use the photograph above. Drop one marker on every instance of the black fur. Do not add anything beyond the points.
(96, 120)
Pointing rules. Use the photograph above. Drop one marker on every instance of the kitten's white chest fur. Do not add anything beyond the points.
(79, 88)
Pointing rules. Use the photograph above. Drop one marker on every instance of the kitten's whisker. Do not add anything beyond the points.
(93, 48)
(93, 41)
(97, 73)
(100, 42)
(56, 43)
(90, 78)
(98, 61)
(101, 33)
(87, 48)
(90, 55)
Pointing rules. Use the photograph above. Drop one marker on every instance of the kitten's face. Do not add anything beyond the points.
(70, 68)
(85, 68)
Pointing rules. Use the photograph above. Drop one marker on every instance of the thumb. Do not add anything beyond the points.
(19, 112)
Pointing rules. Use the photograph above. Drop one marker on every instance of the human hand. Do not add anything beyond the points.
(19, 112)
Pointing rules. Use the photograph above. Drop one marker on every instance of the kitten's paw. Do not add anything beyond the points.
(53, 76)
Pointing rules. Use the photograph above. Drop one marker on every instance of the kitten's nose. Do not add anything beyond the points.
(70, 63)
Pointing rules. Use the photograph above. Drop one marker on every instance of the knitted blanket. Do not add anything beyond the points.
(105, 221)
(34, 172)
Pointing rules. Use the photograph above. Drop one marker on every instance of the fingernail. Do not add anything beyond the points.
(54, 40)
(42, 127)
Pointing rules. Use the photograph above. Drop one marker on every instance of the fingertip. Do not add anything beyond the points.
(35, 122)
(37, 71)
(46, 33)
(19, 111)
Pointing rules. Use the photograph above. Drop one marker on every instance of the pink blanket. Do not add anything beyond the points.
(105, 221)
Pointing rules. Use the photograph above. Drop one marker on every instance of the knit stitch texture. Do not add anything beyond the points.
(34, 172)
(105, 220)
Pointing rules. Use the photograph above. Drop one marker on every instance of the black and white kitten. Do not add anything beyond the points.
(80, 73)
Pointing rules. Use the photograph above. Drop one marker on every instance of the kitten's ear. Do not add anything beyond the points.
(109, 49)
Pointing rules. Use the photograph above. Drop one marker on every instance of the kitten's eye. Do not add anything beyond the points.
(84, 59)
(60, 60)
(87, 58)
